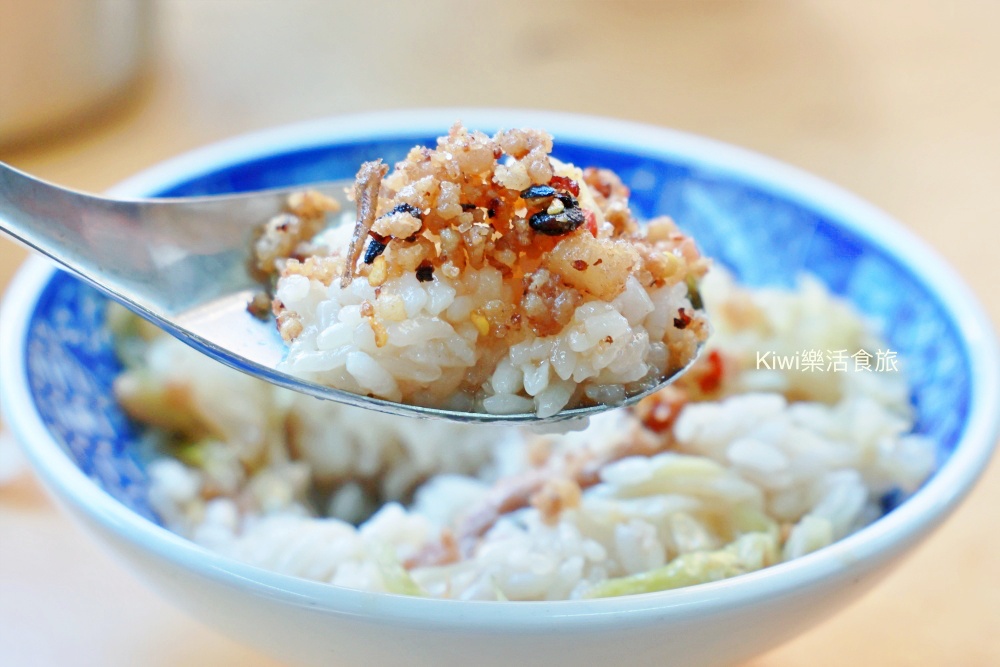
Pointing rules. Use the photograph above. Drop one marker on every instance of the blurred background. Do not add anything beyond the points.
(897, 101)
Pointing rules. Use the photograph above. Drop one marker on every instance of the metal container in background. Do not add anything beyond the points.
(63, 59)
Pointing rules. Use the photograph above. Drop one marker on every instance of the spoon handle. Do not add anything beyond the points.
(160, 255)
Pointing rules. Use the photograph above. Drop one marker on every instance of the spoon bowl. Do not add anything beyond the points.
(183, 264)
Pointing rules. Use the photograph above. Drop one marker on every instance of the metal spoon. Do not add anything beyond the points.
(182, 264)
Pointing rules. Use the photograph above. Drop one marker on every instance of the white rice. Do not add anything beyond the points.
(607, 351)
(778, 464)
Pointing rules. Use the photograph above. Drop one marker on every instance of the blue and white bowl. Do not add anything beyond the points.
(765, 221)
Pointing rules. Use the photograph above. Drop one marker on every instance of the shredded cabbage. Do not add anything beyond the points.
(746, 553)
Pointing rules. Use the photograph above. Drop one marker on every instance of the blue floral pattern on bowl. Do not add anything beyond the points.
(762, 237)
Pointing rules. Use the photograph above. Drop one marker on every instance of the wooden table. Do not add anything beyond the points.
(898, 101)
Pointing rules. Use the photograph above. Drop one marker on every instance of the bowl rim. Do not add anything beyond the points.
(876, 543)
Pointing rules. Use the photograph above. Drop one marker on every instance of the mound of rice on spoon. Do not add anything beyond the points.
(483, 275)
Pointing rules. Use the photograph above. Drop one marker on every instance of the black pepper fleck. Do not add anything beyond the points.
(374, 249)
(425, 272)
(544, 222)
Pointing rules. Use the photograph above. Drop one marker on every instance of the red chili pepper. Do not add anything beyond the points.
(566, 184)
(590, 221)
(711, 380)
